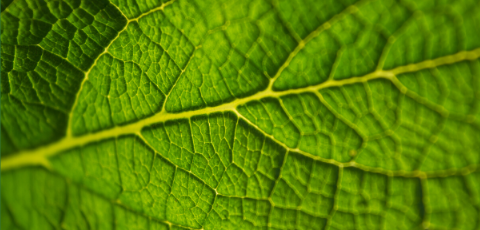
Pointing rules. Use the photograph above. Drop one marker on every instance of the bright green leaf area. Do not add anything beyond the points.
(251, 114)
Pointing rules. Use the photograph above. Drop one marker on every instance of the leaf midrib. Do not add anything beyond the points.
(40, 155)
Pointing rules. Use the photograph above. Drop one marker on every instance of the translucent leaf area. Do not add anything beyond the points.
(249, 114)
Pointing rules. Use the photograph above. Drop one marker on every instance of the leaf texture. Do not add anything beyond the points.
(256, 114)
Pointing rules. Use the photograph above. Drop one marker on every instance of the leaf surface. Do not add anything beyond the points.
(240, 114)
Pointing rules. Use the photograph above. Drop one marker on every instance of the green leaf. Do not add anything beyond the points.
(254, 114)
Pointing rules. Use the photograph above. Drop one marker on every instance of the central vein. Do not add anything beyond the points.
(39, 156)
